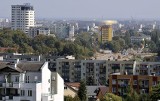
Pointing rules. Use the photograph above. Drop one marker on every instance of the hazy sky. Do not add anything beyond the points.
(88, 8)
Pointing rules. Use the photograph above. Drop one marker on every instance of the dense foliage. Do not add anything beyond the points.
(111, 97)
(155, 95)
(123, 41)
(82, 92)
(70, 98)
(42, 44)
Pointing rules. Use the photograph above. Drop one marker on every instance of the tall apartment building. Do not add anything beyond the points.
(22, 17)
(106, 33)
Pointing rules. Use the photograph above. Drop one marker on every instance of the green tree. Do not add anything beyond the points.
(155, 94)
(68, 98)
(76, 98)
(82, 92)
(144, 97)
(111, 97)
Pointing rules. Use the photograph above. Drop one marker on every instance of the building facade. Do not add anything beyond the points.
(34, 31)
(29, 81)
(142, 84)
(106, 33)
(22, 17)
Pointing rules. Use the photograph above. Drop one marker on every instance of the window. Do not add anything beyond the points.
(114, 89)
(65, 87)
(135, 82)
(29, 92)
(16, 78)
(83, 64)
(22, 92)
(97, 64)
(27, 79)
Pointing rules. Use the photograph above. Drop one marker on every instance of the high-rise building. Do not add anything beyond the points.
(22, 17)
(106, 33)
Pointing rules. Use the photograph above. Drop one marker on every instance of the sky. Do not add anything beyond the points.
(90, 9)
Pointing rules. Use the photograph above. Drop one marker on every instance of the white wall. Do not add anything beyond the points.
(46, 80)
(38, 92)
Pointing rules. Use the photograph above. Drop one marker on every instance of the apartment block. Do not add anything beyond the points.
(106, 33)
(34, 31)
(22, 17)
(142, 84)
(29, 81)
(93, 71)
(69, 69)
(96, 72)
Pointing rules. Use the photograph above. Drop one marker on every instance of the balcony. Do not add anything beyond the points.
(115, 67)
(7, 84)
(6, 98)
(16, 85)
(127, 67)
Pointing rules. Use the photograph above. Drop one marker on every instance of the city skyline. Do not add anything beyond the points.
(104, 9)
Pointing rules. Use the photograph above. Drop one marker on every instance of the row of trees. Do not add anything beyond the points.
(42, 44)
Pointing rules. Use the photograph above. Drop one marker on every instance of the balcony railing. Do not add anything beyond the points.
(7, 84)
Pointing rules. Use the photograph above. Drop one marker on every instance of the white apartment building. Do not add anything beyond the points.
(34, 31)
(29, 81)
(22, 17)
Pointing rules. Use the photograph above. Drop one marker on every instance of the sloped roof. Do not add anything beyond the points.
(103, 90)
(71, 88)
(30, 66)
(73, 84)
(6, 67)
(3, 65)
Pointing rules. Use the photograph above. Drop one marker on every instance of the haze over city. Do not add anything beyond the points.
(89, 9)
(80, 50)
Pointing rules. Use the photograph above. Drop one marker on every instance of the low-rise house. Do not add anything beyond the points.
(70, 90)
(102, 91)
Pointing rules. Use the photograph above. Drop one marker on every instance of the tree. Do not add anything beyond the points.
(155, 94)
(144, 97)
(76, 98)
(111, 97)
(82, 92)
(68, 98)
(131, 94)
